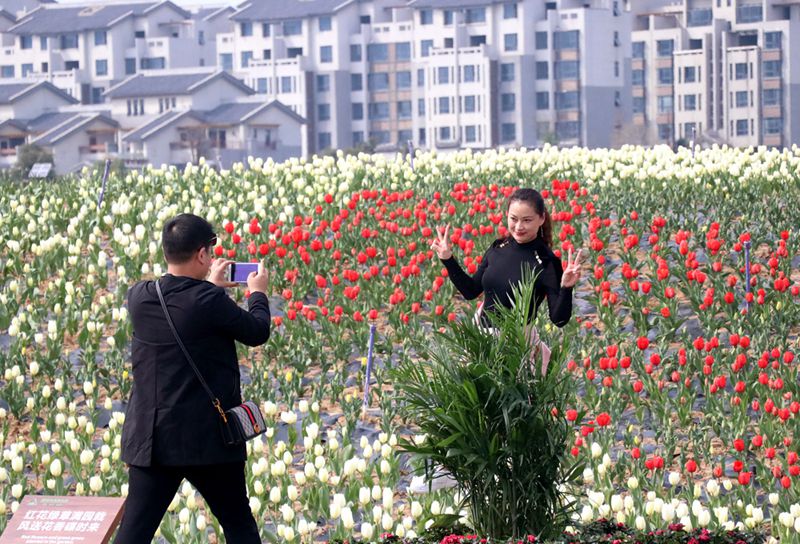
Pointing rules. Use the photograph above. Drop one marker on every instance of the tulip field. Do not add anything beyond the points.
(683, 344)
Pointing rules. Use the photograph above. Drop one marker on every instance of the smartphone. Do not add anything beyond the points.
(238, 272)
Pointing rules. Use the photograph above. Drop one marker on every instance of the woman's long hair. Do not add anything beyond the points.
(534, 199)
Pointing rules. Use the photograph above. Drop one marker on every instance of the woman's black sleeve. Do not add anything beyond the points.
(559, 299)
(469, 286)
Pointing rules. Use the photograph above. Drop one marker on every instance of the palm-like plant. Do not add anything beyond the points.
(494, 422)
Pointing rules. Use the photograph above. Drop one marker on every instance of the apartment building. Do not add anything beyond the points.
(85, 49)
(718, 70)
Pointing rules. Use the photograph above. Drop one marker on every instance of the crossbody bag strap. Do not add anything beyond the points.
(214, 399)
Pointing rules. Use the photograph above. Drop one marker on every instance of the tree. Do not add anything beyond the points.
(196, 140)
(28, 155)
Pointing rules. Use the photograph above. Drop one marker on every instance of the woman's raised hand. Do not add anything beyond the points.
(572, 272)
(441, 244)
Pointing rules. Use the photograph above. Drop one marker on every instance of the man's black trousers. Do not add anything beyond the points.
(151, 489)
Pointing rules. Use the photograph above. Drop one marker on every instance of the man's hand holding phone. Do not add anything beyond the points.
(219, 273)
(258, 282)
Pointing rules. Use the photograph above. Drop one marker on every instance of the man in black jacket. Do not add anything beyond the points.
(172, 430)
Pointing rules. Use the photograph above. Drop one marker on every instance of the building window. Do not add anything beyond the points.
(139, 34)
(541, 40)
(664, 48)
(425, 47)
(323, 83)
(326, 53)
(475, 15)
(749, 13)
(293, 52)
(43, 42)
(543, 100)
(508, 102)
(699, 17)
(358, 137)
(425, 17)
(772, 40)
(26, 68)
(325, 24)
(378, 81)
(100, 37)
(637, 50)
(292, 28)
(378, 52)
(420, 77)
(772, 68)
(566, 69)
(153, 63)
(567, 100)
(286, 84)
(246, 28)
(665, 76)
(403, 79)
(355, 53)
(773, 125)
(638, 104)
(356, 82)
(402, 51)
(471, 132)
(379, 110)
(404, 109)
(324, 140)
(226, 61)
(26, 42)
(510, 41)
(443, 75)
(637, 77)
(358, 111)
(69, 41)
(323, 112)
(510, 10)
(507, 71)
(689, 130)
(665, 104)
(365, 19)
(477, 40)
(72, 65)
(444, 104)
(689, 74)
(616, 68)
(690, 102)
(508, 132)
(444, 134)
(261, 85)
(247, 56)
(665, 132)
(45, 67)
(266, 54)
(565, 40)
(470, 104)
(421, 106)
(567, 130)
(740, 70)
(742, 127)
(772, 97)
(469, 73)
(101, 67)
(404, 136)
(265, 30)
(541, 70)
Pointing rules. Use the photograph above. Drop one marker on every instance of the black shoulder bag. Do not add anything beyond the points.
(239, 424)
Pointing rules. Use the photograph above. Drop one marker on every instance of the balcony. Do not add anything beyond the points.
(94, 149)
(8, 152)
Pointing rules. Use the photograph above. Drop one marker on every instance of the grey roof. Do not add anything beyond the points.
(70, 126)
(7, 14)
(226, 114)
(67, 18)
(444, 4)
(271, 10)
(157, 124)
(48, 120)
(16, 123)
(141, 85)
(206, 14)
(13, 91)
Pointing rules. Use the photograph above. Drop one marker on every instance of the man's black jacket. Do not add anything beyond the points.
(170, 420)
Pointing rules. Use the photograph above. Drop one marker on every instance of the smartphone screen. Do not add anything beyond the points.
(238, 272)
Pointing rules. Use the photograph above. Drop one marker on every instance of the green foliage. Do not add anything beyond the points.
(488, 415)
(28, 155)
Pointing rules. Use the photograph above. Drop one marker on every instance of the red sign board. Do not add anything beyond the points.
(63, 520)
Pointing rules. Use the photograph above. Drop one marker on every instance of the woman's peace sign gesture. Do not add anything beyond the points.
(572, 272)
(441, 244)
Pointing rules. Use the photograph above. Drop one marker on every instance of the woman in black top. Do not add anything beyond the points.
(529, 242)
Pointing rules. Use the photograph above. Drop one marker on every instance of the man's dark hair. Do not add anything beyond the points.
(183, 235)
